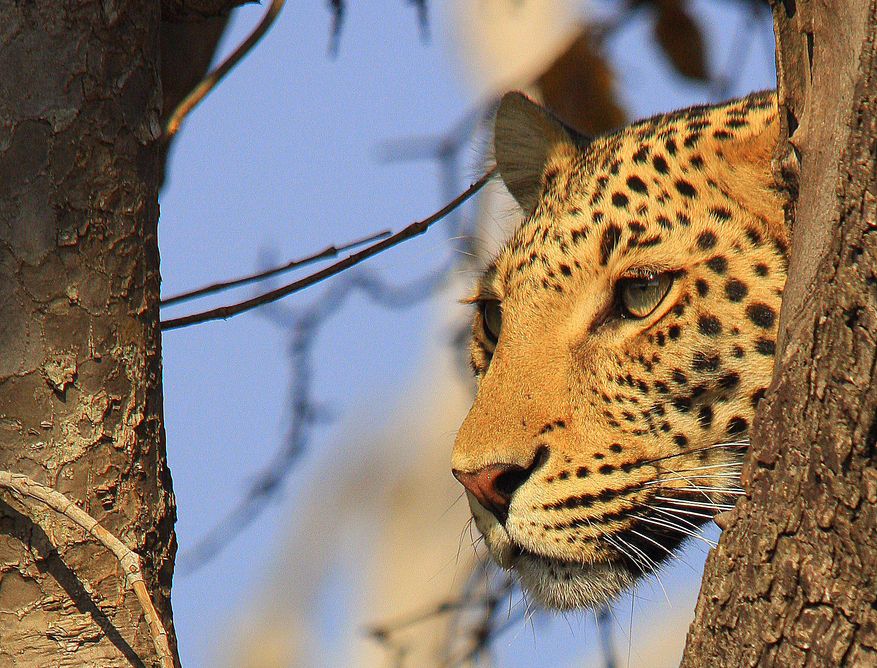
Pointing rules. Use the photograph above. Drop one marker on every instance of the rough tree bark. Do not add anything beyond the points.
(80, 364)
(793, 581)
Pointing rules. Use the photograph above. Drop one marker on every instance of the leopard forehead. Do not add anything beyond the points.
(591, 410)
(649, 194)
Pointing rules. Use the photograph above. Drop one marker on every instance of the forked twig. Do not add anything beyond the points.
(214, 76)
(412, 230)
(24, 486)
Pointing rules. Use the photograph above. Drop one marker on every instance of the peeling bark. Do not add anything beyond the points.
(793, 581)
(80, 367)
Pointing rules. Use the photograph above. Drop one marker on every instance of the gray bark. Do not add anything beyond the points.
(80, 364)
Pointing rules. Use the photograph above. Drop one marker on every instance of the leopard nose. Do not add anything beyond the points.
(494, 485)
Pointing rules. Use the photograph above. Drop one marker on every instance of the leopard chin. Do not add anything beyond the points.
(566, 585)
(553, 582)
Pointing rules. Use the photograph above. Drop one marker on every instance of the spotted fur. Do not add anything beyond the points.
(625, 433)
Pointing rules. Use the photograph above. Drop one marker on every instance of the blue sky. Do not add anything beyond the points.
(282, 158)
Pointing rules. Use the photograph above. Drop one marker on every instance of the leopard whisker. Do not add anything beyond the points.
(693, 486)
(653, 566)
(669, 552)
(696, 504)
(674, 514)
(742, 445)
(712, 476)
(734, 491)
(680, 529)
(642, 566)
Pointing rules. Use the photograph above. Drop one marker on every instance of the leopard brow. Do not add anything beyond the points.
(485, 290)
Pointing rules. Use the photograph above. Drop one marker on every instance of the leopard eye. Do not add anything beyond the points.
(491, 318)
(640, 295)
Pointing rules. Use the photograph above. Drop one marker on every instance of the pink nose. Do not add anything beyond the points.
(494, 485)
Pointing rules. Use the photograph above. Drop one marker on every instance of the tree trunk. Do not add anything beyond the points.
(80, 367)
(793, 581)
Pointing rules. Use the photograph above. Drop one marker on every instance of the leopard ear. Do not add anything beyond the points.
(526, 136)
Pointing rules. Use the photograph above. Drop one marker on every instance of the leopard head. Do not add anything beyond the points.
(621, 341)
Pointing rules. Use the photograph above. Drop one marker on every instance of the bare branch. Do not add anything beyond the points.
(196, 11)
(329, 251)
(413, 230)
(214, 77)
(24, 486)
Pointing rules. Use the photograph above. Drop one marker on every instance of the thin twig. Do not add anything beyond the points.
(214, 76)
(413, 230)
(330, 251)
(24, 486)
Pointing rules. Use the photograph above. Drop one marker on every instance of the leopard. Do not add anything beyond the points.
(622, 339)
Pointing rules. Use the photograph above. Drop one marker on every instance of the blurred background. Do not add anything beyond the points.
(310, 440)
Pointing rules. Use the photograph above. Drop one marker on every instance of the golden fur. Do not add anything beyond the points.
(625, 432)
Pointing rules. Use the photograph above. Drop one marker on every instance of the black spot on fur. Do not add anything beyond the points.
(565, 270)
(650, 241)
(754, 236)
(761, 269)
(696, 162)
(636, 184)
(685, 188)
(761, 315)
(611, 236)
(702, 286)
(681, 403)
(674, 332)
(636, 227)
(737, 425)
(615, 447)
(722, 134)
(679, 377)
(736, 290)
(737, 351)
(781, 247)
(705, 417)
(729, 381)
(660, 164)
(664, 222)
(670, 145)
(706, 240)
(641, 155)
(757, 396)
(705, 362)
(721, 212)
(765, 346)
(579, 235)
(606, 469)
(619, 199)
(680, 439)
(683, 219)
(691, 140)
(709, 325)
(582, 472)
(660, 339)
(661, 387)
(718, 263)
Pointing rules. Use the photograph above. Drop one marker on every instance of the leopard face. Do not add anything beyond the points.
(621, 341)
